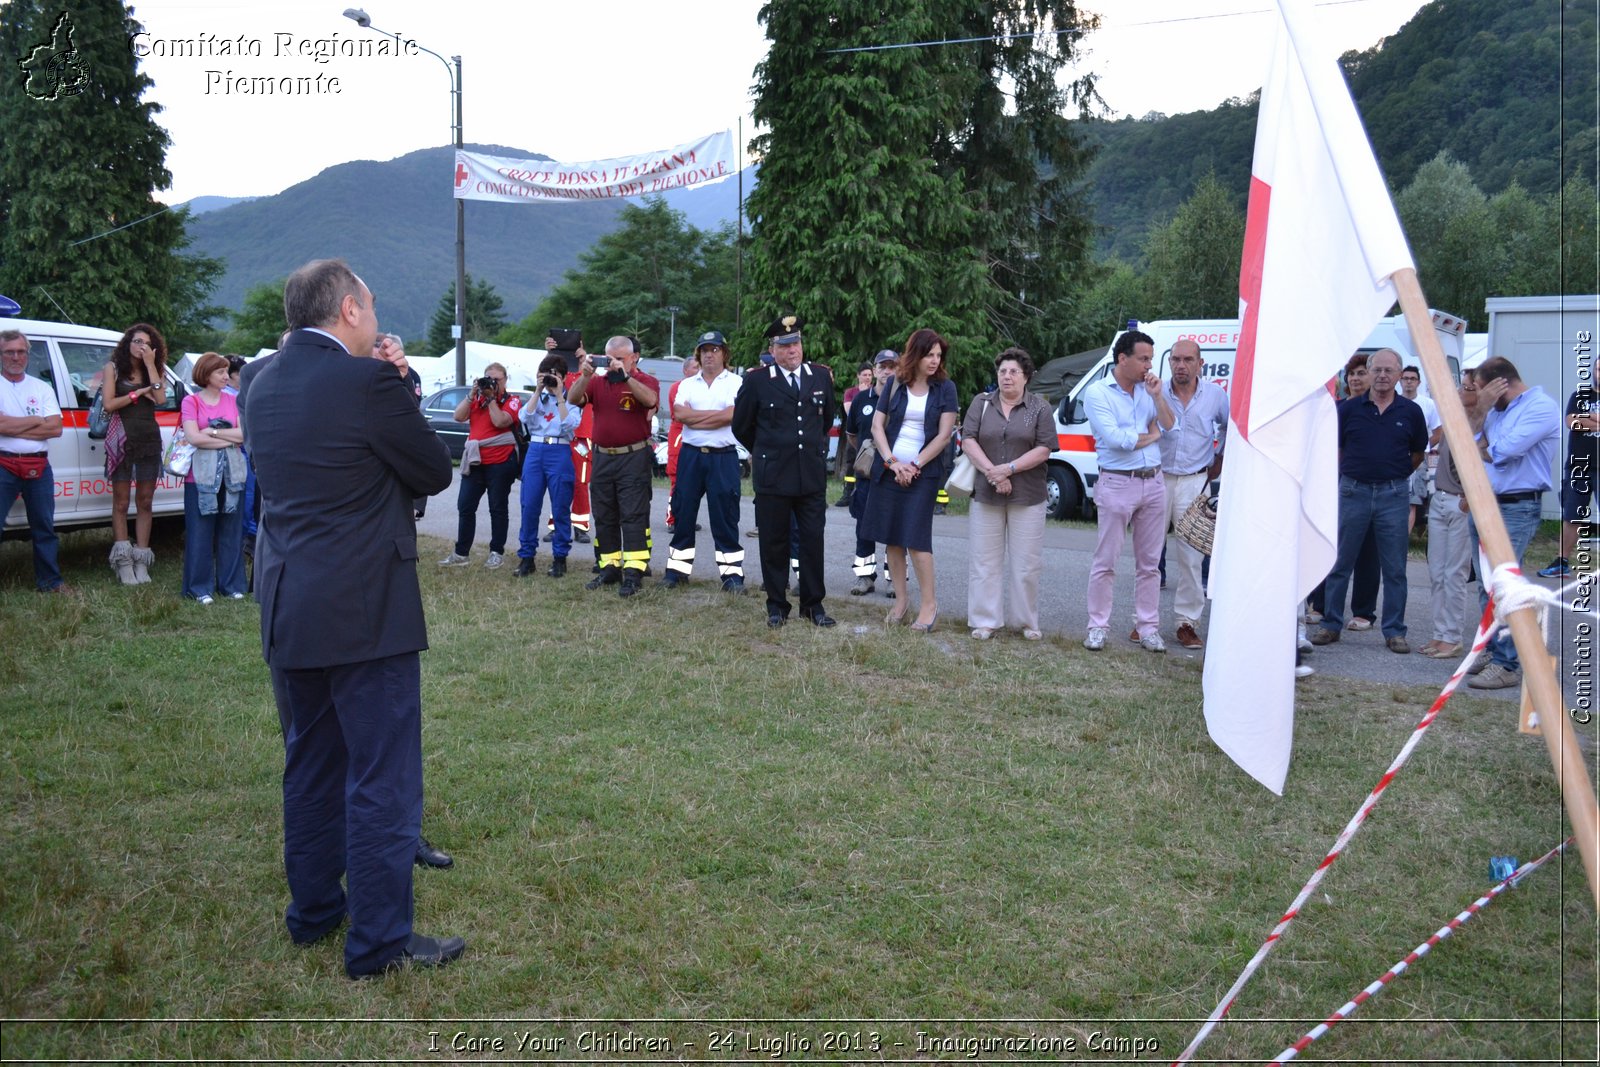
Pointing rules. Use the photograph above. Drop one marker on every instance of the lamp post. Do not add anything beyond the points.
(362, 19)
(672, 337)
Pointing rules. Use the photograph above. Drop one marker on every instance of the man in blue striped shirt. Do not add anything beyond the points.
(1519, 430)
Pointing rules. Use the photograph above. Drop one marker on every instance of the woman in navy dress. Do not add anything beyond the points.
(911, 428)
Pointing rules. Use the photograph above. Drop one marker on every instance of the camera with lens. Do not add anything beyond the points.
(600, 363)
(486, 385)
(550, 383)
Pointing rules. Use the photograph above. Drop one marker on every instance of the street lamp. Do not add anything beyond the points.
(362, 19)
(672, 337)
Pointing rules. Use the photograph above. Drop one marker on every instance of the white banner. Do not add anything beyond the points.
(703, 162)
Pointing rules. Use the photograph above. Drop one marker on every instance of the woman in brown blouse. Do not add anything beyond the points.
(1008, 434)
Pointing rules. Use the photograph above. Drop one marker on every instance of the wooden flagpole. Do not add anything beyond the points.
(1559, 738)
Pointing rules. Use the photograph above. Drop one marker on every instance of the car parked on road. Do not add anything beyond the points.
(440, 411)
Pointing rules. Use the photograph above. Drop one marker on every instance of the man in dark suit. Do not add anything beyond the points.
(341, 451)
(782, 415)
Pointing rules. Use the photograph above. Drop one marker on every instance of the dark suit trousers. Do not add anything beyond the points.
(352, 801)
(773, 517)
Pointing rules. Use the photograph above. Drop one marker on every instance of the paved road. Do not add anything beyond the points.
(1067, 553)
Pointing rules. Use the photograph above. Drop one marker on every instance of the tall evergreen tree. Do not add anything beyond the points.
(900, 188)
(1194, 258)
(483, 311)
(81, 234)
(653, 260)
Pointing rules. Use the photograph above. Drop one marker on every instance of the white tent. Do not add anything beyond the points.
(521, 364)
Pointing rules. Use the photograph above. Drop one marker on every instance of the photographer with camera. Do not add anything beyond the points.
(488, 465)
(550, 422)
(621, 398)
(568, 344)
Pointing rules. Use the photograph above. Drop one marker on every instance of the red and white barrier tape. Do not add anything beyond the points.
(1486, 626)
(1416, 954)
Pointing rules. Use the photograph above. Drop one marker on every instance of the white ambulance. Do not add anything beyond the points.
(72, 359)
(1073, 468)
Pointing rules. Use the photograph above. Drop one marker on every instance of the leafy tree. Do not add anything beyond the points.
(1469, 247)
(653, 260)
(79, 225)
(483, 315)
(260, 323)
(1194, 258)
(1578, 208)
(900, 189)
(1114, 293)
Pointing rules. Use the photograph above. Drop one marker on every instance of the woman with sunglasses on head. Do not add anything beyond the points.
(133, 387)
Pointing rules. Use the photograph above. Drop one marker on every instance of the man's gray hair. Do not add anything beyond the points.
(619, 344)
(314, 294)
(12, 335)
(1398, 362)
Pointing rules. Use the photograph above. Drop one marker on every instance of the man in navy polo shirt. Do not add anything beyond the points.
(1382, 436)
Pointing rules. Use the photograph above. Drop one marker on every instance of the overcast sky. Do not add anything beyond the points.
(587, 81)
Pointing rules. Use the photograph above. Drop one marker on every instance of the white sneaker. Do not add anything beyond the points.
(1151, 642)
(494, 560)
(1302, 642)
(453, 560)
(1096, 639)
(1304, 671)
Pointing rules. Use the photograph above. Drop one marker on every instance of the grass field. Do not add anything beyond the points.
(671, 823)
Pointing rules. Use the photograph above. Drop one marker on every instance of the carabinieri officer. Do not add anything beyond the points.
(782, 415)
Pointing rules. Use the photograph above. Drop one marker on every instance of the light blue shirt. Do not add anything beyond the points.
(1197, 430)
(543, 419)
(1118, 418)
(1523, 440)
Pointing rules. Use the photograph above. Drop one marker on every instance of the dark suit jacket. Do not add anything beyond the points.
(341, 450)
(787, 435)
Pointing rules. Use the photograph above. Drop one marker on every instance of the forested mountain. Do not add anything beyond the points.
(395, 222)
(1507, 88)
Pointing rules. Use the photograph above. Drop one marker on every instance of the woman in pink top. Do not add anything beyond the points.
(213, 516)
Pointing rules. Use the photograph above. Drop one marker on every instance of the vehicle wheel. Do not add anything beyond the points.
(1062, 497)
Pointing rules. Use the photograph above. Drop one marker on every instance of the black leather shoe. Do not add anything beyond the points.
(671, 581)
(422, 951)
(524, 566)
(630, 586)
(733, 585)
(821, 618)
(428, 856)
(775, 619)
(581, 536)
(608, 576)
(558, 567)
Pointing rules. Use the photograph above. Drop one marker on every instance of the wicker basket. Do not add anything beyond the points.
(1198, 524)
